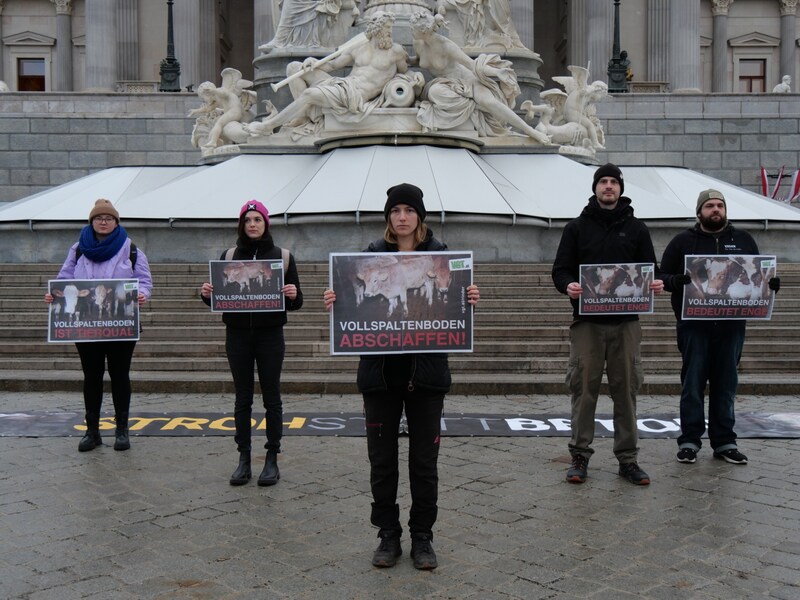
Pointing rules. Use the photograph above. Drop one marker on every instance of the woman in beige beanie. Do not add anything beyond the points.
(105, 252)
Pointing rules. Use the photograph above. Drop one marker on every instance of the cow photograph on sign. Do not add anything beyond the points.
(395, 302)
(619, 289)
(246, 285)
(89, 310)
(729, 287)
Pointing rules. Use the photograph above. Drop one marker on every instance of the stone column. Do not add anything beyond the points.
(788, 37)
(193, 22)
(599, 37)
(2, 58)
(208, 63)
(63, 58)
(658, 40)
(522, 17)
(719, 46)
(186, 31)
(263, 23)
(577, 51)
(101, 46)
(128, 40)
(684, 56)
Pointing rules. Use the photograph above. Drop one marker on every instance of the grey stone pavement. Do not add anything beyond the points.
(161, 521)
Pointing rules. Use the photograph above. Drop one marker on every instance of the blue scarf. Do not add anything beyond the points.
(98, 251)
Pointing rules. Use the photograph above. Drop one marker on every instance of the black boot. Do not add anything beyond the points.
(270, 474)
(242, 474)
(122, 441)
(422, 552)
(388, 550)
(91, 440)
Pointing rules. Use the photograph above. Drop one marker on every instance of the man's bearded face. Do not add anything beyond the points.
(383, 37)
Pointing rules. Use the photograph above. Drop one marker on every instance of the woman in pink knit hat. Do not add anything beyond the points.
(256, 339)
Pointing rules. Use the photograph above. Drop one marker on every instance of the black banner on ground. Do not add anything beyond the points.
(60, 424)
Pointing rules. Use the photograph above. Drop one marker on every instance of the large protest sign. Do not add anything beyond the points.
(729, 287)
(93, 310)
(396, 302)
(247, 285)
(616, 289)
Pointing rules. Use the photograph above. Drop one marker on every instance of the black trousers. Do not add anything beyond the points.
(383, 411)
(247, 348)
(93, 362)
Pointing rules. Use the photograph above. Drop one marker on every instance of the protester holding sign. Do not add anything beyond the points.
(103, 252)
(605, 232)
(256, 338)
(414, 382)
(711, 349)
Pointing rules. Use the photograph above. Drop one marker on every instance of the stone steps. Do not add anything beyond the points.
(521, 338)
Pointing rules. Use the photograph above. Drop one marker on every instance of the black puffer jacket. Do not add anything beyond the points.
(696, 241)
(263, 249)
(424, 371)
(601, 236)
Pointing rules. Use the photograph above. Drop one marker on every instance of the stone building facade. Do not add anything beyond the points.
(712, 46)
(99, 113)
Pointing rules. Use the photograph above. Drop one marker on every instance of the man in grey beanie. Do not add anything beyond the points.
(605, 232)
(710, 349)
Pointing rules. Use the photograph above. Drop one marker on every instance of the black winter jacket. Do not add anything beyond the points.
(601, 236)
(423, 371)
(696, 241)
(263, 249)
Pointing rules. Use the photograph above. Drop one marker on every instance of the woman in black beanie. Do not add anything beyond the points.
(414, 383)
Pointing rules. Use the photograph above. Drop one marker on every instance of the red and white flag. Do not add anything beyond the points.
(794, 190)
(774, 194)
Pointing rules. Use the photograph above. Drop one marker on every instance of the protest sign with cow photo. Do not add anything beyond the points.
(728, 287)
(93, 310)
(397, 302)
(246, 285)
(616, 289)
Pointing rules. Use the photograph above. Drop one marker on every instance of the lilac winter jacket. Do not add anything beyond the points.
(117, 267)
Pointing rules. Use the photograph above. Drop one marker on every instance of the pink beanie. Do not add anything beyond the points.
(256, 206)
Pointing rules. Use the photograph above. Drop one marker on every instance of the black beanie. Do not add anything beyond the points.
(404, 193)
(608, 170)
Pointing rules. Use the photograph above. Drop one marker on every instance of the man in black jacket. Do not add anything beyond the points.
(606, 232)
(710, 349)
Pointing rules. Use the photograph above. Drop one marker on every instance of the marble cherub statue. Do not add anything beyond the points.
(226, 109)
(579, 104)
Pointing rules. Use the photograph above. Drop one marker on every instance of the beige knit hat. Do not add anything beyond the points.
(707, 195)
(103, 207)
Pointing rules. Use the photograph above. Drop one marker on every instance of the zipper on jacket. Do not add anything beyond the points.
(413, 372)
(255, 257)
(383, 374)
